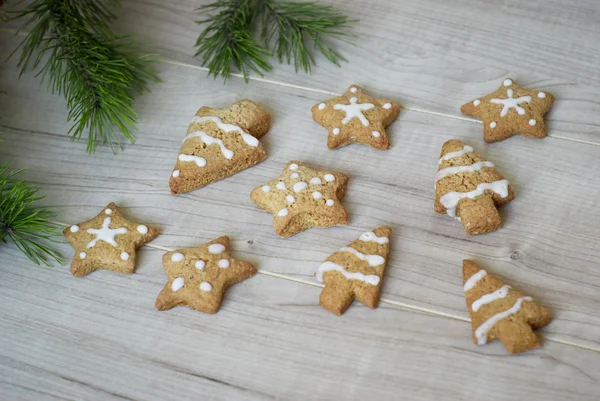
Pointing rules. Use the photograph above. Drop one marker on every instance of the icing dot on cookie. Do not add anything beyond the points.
(177, 257)
(321, 106)
(317, 195)
(142, 229)
(290, 199)
(177, 284)
(387, 106)
(295, 175)
(493, 124)
(542, 95)
(266, 188)
(300, 186)
(376, 134)
(329, 177)
(293, 166)
(508, 82)
(82, 255)
(206, 287)
(315, 181)
(216, 248)
(330, 202)
(108, 211)
(74, 229)
(281, 185)
(199, 264)
(532, 122)
(336, 131)
(283, 212)
(353, 90)
(223, 263)
(175, 173)
(477, 102)
(124, 256)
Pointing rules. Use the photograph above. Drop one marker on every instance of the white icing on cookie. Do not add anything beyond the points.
(317, 195)
(108, 211)
(300, 186)
(200, 264)
(316, 181)
(74, 228)
(281, 186)
(336, 131)
(493, 124)
(451, 155)
(200, 161)
(209, 140)
(476, 102)
(474, 279)
(283, 212)
(216, 248)
(329, 202)
(290, 199)
(373, 260)
(223, 263)
(266, 188)
(295, 175)
(105, 234)
(205, 286)
(387, 106)
(532, 122)
(330, 266)
(450, 200)
(177, 257)
(293, 166)
(249, 139)
(142, 229)
(507, 82)
(124, 256)
(482, 331)
(353, 90)
(82, 255)
(376, 134)
(176, 173)
(541, 95)
(329, 177)
(459, 169)
(371, 237)
(322, 106)
(177, 284)
(354, 110)
(511, 103)
(500, 293)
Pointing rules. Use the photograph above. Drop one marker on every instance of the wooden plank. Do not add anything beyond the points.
(542, 249)
(432, 56)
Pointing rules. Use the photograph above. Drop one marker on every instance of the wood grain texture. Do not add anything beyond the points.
(100, 338)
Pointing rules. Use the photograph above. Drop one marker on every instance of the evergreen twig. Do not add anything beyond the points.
(26, 226)
(71, 46)
(291, 31)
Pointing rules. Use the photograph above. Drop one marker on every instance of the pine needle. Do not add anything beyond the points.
(291, 31)
(73, 49)
(26, 226)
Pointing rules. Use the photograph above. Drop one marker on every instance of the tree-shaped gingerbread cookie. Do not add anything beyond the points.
(498, 312)
(469, 188)
(355, 271)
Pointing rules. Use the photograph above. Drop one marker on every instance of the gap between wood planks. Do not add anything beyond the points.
(382, 300)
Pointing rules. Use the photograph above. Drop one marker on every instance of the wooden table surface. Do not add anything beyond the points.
(99, 337)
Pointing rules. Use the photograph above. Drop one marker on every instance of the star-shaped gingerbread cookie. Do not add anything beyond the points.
(302, 198)
(356, 117)
(198, 277)
(511, 110)
(108, 241)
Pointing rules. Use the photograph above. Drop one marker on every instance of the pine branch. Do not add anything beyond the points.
(291, 31)
(72, 47)
(22, 223)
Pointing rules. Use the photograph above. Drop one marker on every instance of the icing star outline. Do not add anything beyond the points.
(108, 241)
(301, 198)
(511, 110)
(356, 117)
(198, 277)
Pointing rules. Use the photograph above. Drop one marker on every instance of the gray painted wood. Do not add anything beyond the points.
(100, 338)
